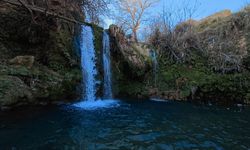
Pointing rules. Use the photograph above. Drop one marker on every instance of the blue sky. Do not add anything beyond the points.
(205, 7)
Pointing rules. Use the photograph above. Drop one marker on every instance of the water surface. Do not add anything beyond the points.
(129, 125)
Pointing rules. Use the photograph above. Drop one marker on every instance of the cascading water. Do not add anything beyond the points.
(89, 72)
(88, 64)
(155, 65)
(107, 67)
(153, 56)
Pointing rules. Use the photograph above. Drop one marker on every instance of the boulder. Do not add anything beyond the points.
(13, 91)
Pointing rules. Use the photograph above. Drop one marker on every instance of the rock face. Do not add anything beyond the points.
(13, 90)
(38, 62)
(130, 64)
(128, 49)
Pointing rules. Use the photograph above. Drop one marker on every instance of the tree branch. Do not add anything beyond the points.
(42, 10)
(31, 13)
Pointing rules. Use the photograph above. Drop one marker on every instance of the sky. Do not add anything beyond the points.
(205, 7)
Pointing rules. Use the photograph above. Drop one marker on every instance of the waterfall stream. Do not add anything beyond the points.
(107, 67)
(88, 64)
(155, 65)
(89, 72)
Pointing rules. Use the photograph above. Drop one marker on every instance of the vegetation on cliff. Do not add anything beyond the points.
(208, 57)
(38, 62)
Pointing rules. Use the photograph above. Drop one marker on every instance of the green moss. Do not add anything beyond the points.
(38, 82)
(60, 50)
(224, 88)
(98, 35)
(132, 89)
(247, 98)
(55, 73)
(13, 90)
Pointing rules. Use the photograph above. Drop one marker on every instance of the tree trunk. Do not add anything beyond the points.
(135, 36)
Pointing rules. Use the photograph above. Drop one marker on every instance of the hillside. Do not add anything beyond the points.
(205, 61)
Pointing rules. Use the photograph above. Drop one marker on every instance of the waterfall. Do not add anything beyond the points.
(88, 64)
(155, 65)
(89, 72)
(107, 67)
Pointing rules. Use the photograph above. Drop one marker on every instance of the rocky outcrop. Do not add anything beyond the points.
(38, 62)
(13, 90)
(130, 64)
(129, 50)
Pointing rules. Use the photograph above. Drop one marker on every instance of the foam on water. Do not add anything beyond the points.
(98, 104)
(158, 100)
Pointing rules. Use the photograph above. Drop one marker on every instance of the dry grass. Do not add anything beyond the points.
(222, 38)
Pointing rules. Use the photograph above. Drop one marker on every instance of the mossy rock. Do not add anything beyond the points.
(214, 87)
(13, 91)
(247, 101)
(21, 85)
(98, 43)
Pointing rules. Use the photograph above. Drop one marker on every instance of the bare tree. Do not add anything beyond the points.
(172, 31)
(221, 43)
(131, 13)
(94, 9)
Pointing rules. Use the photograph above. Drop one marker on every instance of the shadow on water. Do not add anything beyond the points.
(131, 125)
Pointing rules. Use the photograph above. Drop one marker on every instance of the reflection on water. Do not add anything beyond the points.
(131, 125)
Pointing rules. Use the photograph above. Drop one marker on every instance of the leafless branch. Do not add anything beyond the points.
(131, 13)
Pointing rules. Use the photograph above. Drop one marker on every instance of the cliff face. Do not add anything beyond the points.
(215, 67)
(38, 63)
(131, 65)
